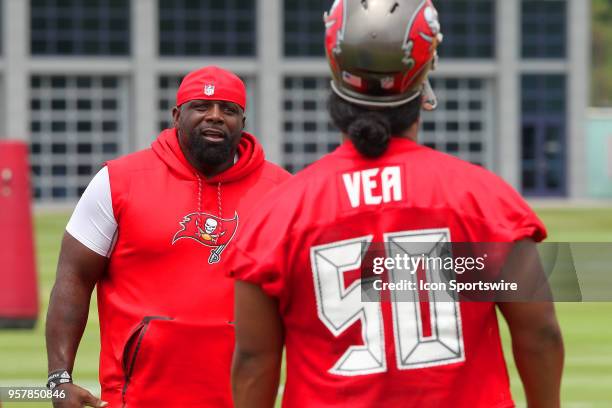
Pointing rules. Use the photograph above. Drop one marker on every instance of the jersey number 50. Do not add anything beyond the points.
(339, 307)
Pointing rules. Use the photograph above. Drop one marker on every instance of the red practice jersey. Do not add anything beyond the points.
(304, 245)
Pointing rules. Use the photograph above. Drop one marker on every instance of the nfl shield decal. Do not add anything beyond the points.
(209, 89)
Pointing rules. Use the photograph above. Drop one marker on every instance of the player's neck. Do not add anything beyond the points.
(412, 133)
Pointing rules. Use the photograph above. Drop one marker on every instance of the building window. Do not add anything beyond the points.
(463, 123)
(77, 123)
(207, 27)
(543, 139)
(167, 87)
(307, 131)
(80, 27)
(543, 26)
(468, 27)
(304, 27)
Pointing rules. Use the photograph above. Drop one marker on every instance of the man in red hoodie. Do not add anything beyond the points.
(151, 232)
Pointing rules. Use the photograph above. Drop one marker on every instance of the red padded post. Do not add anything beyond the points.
(18, 280)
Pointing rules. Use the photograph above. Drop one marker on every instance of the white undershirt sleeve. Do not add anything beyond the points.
(93, 221)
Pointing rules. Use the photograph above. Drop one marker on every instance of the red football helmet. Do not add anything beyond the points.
(380, 51)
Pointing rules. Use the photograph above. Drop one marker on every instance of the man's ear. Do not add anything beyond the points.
(243, 121)
(176, 114)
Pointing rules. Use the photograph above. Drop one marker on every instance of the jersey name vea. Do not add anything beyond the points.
(373, 186)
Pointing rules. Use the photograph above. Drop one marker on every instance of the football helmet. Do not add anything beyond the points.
(380, 51)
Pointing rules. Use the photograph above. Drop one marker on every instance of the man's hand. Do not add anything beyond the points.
(77, 397)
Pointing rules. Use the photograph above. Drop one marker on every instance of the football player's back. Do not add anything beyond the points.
(341, 348)
(409, 177)
(303, 267)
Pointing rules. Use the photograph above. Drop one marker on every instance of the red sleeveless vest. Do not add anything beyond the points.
(165, 305)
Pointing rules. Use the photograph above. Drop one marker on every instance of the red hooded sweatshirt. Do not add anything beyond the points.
(165, 305)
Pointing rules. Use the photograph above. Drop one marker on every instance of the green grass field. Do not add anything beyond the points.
(587, 327)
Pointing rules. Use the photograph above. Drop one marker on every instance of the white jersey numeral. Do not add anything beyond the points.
(412, 348)
(340, 306)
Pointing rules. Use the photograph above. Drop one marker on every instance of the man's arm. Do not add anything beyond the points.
(78, 271)
(537, 343)
(258, 350)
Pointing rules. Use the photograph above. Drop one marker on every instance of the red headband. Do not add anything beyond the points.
(212, 83)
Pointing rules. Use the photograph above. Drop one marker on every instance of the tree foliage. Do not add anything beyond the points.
(602, 53)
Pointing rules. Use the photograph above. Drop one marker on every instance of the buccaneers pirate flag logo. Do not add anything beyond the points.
(208, 230)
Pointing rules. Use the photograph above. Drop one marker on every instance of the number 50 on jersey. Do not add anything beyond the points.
(339, 307)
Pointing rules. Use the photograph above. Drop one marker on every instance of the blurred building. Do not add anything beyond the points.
(599, 153)
(84, 81)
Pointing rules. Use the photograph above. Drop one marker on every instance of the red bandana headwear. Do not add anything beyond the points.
(212, 83)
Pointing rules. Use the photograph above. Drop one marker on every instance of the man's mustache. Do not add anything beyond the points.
(213, 130)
